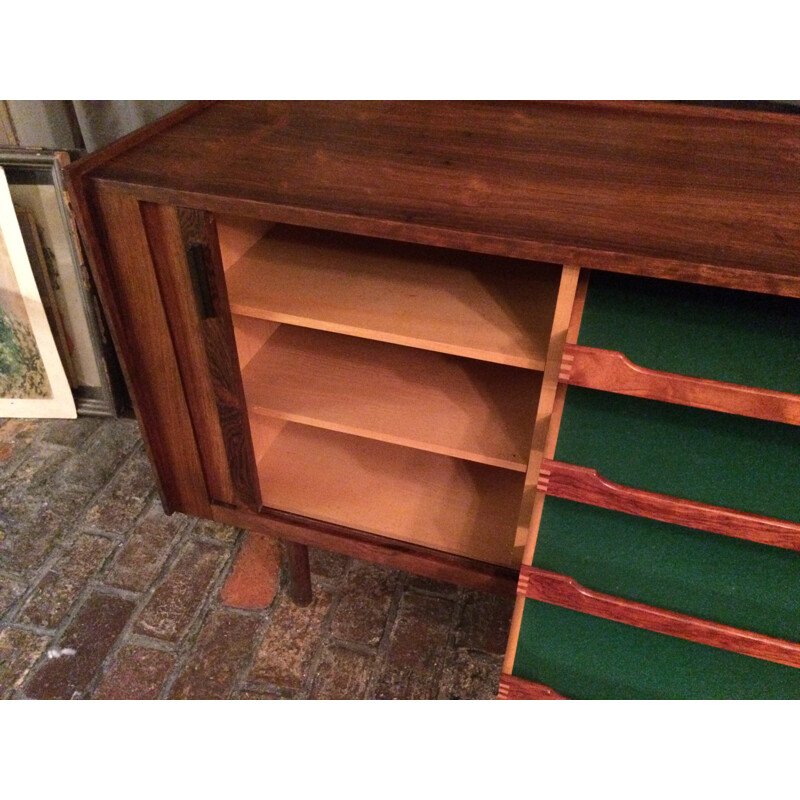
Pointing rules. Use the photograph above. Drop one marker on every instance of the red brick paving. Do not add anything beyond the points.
(224, 646)
(286, 651)
(144, 551)
(91, 635)
(136, 673)
(174, 604)
(19, 650)
(256, 575)
(88, 560)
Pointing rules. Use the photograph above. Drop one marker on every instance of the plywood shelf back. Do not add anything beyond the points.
(446, 504)
(440, 403)
(483, 307)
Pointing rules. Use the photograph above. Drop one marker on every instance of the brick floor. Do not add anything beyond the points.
(103, 596)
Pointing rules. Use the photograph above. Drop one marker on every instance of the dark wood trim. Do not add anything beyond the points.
(691, 109)
(724, 276)
(204, 342)
(586, 485)
(513, 688)
(93, 161)
(563, 591)
(387, 552)
(132, 300)
(299, 570)
(611, 371)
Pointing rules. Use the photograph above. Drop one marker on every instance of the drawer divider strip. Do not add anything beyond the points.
(563, 591)
(612, 371)
(586, 485)
(514, 688)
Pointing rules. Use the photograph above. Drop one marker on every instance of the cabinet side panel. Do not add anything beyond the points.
(130, 293)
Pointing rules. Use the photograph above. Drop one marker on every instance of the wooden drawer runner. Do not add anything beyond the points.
(724, 335)
(737, 583)
(722, 460)
(581, 656)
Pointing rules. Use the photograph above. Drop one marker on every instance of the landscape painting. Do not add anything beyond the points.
(33, 382)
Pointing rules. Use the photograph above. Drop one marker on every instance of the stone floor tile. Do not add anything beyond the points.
(61, 510)
(137, 673)
(293, 635)
(224, 645)
(145, 550)
(84, 557)
(248, 694)
(471, 675)
(362, 612)
(342, 674)
(216, 530)
(485, 622)
(50, 600)
(417, 647)
(26, 546)
(11, 590)
(60, 587)
(176, 600)
(330, 566)
(69, 432)
(256, 575)
(15, 437)
(125, 497)
(91, 634)
(21, 494)
(19, 651)
(418, 583)
(96, 462)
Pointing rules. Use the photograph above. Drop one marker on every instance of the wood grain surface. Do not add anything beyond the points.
(684, 193)
(586, 485)
(390, 553)
(464, 304)
(611, 371)
(513, 688)
(446, 504)
(561, 590)
(418, 398)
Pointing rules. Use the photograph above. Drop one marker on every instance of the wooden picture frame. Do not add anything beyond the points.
(35, 179)
(33, 382)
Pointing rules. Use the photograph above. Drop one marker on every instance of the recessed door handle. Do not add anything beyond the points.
(198, 271)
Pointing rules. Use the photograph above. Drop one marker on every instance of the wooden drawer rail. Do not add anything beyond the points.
(513, 688)
(611, 371)
(586, 485)
(560, 590)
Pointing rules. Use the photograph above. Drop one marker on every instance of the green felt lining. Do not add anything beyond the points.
(586, 657)
(734, 582)
(705, 332)
(721, 459)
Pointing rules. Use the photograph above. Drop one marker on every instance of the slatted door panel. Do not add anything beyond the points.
(185, 251)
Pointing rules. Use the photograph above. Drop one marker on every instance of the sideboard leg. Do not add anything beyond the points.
(299, 588)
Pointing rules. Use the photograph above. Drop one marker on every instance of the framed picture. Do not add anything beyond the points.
(65, 288)
(33, 382)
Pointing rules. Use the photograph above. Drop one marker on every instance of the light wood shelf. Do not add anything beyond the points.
(432, 401)
(447, 504)
(484, 307)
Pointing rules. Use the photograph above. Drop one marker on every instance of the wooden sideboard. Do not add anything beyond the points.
(543, 348)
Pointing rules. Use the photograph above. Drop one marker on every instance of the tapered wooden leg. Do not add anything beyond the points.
(299, 588)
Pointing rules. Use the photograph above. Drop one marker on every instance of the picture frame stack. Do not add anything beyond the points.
(56, 357)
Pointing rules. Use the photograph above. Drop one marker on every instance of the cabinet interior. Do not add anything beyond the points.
(391, 387)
